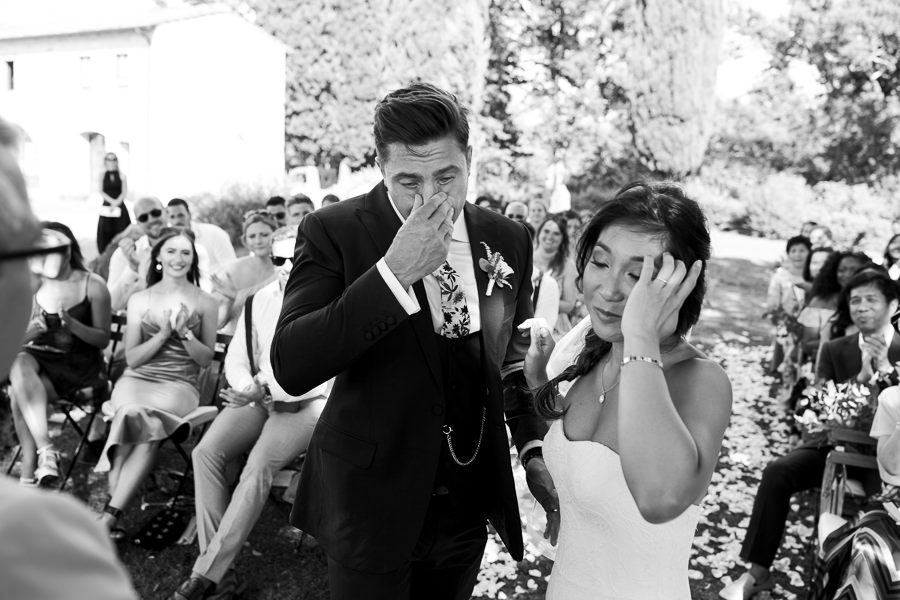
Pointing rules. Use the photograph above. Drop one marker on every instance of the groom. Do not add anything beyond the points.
(394, 294)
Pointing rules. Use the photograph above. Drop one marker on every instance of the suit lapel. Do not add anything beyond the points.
(382, 224)
(490, 308)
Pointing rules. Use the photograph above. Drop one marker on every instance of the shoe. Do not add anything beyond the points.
(47, 472)
(745, 587)
(31, 483)
(227, 589)
(192, 589)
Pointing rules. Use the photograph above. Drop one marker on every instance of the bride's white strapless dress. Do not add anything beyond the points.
(607, 551)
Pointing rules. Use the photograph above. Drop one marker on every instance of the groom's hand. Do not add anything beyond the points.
(421, 244)
(542, 488)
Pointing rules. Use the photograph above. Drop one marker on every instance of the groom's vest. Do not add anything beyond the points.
(465, 396)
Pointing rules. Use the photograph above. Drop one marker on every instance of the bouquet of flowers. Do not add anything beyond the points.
(835, 405)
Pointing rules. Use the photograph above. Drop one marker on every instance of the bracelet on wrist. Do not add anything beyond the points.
(641, 359)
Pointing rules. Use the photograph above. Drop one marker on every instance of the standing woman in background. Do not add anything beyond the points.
(113, 214)
(892, 257)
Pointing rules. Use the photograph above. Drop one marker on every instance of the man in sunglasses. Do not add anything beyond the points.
(130, 261)
(52, 543)
(260, 420)
(275, 206)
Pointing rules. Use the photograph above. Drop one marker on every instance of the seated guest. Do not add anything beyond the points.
(537, 214)
(170, 335)
(298, 207)
(62, 353)
(329, 199)
(131, 260)
(820, 235)
(861, 558)
(551, 255)
(869, 298)
(128, 264)
(246, 275)
(258, 417)
(892, 257)
(517, 211)
(848, 265)
(212, 238)
(276, 208)
(545, 296)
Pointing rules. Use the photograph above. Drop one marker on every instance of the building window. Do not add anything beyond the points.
(8, 77)
(122, 70)
(86, 75)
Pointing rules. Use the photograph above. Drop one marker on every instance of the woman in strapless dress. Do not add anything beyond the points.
(636, 437)
(170, 335)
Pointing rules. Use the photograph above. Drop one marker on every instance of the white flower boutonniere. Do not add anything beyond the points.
(496, 268)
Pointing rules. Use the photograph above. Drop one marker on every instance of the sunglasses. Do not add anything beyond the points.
(280, 260)
(46, 257)
(155, 213)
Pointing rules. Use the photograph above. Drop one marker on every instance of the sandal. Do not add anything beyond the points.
(116, 534)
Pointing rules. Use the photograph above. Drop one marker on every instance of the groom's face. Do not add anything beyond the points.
(433, 167)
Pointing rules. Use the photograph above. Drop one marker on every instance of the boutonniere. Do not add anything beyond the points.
(496, 269)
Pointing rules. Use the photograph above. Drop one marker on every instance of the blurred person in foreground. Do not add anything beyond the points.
(52, 545)
(260, 420)
(637, 429)
(411, 296)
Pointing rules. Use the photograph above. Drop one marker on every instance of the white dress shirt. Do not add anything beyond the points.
(217, 244)
(266, 308)
(460, 258)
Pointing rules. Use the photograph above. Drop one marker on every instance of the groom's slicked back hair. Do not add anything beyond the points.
(418, 114)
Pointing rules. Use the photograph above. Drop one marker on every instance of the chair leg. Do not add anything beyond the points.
(14, 459)
(81, 442)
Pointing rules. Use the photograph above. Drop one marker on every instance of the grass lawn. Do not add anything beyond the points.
(731, 331)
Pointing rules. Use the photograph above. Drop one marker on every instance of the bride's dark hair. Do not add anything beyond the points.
(661, 209)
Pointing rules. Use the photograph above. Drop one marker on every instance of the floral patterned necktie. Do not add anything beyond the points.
(453, 303)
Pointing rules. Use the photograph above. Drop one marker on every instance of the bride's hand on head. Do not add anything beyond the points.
(653, 305)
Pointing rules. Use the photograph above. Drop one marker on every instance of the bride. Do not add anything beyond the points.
(636, 437)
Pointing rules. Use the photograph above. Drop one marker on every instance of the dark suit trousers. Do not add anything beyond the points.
(444, 564)
(798, 470)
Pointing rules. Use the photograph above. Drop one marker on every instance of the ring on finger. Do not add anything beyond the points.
(663, 279)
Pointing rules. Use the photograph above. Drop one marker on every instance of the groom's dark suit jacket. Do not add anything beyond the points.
(370, 470)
